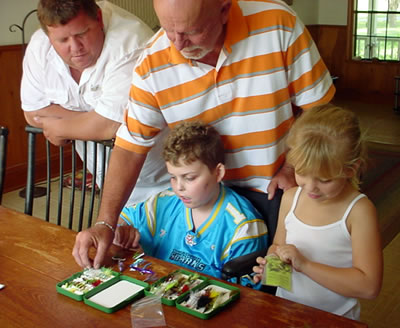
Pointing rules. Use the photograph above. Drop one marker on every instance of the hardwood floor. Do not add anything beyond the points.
(382, 125)
(377, 118)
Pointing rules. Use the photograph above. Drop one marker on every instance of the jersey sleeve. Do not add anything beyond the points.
(249, 237)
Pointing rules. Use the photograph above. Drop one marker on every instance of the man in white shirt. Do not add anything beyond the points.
(76, 77)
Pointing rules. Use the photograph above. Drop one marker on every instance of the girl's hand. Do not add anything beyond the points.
(126, 236)
(290, 254)
(259, 269)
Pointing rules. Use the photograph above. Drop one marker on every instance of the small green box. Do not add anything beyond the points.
(231, 294)
(171, 299)
(115, 294)
(75, 296)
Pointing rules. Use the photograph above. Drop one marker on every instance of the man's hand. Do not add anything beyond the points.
(99, 237)
(50, 126)
(122, 173)
(127, 237)
(283, 179)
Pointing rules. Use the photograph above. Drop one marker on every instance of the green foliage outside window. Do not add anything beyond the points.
(377, 29)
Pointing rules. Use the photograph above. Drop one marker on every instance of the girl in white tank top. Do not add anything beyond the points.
(327, 230)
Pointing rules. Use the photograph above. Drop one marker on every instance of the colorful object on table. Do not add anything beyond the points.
(175, 284)
(137, 255)
(121, 266)
(138, 262)
(135, 266)
(89, 279)
(121, 261)
(2, 286)
(151, 277)
(207, 299)
(140, 270)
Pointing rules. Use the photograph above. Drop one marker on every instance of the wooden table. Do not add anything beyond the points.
(36, 255)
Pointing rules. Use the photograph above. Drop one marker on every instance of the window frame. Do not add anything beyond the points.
(352, 40)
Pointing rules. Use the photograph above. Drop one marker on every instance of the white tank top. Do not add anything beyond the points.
(330, 245)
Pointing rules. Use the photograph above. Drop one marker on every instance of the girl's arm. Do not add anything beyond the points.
(280, 234)
(364, 278)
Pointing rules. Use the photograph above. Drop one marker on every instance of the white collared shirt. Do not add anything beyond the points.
(103, 87)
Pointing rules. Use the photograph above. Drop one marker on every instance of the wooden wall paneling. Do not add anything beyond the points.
(11, 115)
(362, 77)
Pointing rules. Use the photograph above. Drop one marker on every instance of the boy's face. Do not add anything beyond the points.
(195, 184)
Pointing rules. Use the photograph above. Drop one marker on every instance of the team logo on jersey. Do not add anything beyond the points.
(189, 239)
(187, 260)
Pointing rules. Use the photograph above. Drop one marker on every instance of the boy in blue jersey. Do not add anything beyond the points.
(199, 224)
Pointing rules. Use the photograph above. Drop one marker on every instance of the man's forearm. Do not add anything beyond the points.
(75, 126)
(121, 178)
(55, 111)
(88, 126)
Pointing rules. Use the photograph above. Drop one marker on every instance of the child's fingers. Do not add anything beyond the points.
(261, 260)
(258, 269)
(257, 278)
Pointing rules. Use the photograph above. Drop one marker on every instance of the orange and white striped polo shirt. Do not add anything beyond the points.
(268, 62)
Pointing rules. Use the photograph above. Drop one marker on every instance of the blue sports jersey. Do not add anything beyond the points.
(234, 228)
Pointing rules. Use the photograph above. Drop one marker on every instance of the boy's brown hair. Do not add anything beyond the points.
(191, 141)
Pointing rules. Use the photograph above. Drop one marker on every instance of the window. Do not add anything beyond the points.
(376, 25)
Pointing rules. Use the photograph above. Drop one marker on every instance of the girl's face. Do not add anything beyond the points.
(195, 184)
(321, 189)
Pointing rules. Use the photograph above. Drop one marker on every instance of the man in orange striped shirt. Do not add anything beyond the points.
(236, 65)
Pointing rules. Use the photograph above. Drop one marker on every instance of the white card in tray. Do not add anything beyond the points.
(116, 294)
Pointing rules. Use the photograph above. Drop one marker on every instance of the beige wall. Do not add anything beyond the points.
(332, 12)
(307, 11)
(13, 12)
(322, 12)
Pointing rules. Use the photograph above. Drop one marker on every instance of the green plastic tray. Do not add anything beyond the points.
(115, 294)
(220, 286)
(169, 301)
(76, 296)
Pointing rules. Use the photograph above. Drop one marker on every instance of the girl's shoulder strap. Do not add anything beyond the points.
(355, 199)
(295, 199)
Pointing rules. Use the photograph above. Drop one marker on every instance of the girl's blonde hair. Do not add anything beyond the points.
(327, 142)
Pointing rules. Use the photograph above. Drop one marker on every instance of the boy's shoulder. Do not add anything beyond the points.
(166, 193)
(239, 208)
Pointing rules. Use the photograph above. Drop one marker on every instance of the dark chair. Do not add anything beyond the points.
(80, 212)
(3, 157)
(243, 265)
